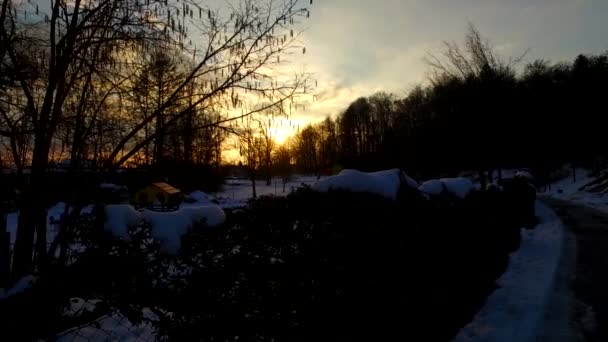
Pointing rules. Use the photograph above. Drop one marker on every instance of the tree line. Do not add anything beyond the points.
(478, 112)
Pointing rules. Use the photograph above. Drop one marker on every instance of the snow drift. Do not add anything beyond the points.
(385, 183)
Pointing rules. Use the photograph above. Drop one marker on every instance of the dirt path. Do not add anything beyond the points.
(578, 305)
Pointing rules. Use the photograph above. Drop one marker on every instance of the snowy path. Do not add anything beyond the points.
(516, 310)
(588, 280)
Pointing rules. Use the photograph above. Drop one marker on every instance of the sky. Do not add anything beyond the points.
(358, 47)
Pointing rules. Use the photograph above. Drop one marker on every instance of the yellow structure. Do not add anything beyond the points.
(158, 194)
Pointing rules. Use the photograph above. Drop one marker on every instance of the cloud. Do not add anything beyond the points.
(358, 47)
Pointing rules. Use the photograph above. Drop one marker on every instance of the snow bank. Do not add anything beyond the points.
(385, 183)
(514, 312)
(458, 186)
(119, 217)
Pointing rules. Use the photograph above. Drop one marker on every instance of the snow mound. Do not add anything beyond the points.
(119, 217)
(168, 227)
(514, 312)
(458, 186)
(385, 183)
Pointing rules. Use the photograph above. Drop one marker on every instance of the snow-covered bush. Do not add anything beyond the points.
(167, 227)
(459, 187)
(385, 183)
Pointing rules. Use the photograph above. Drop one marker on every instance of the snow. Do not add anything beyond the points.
(113, 327)
(567, 190)
(385, 183)
(22, 285)
(236, 192)
(119, 217)
(458, 186)
(168, 227)
(514, 312)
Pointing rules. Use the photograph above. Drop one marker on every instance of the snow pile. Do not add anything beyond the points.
(514, 312)
(113, 327)
(458, 186)
(22, 285)
(119, 217)
(385, 183)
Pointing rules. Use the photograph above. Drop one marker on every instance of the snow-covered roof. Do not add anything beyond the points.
(166, 188)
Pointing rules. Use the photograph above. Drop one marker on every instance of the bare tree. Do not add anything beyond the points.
(74, 68)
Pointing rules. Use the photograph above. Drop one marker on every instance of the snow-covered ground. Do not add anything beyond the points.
(568, 190)
(514, 312)
(236, 192)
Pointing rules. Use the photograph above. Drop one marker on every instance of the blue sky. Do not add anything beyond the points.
(358, 47)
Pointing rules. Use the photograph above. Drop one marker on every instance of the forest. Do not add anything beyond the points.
(478, 112)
